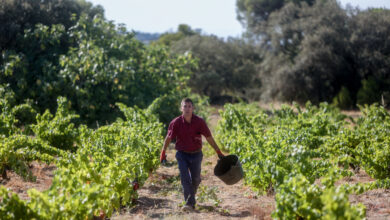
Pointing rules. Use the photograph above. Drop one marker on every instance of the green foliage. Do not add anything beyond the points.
(117, 69)
(313, 49)
(18, 15)
(309, 57)
(17, 151)
(92, 63)
(97, 179)
(12, 207)
(14, 118)
(59, 130)
(25, 116)
(202, 105)
(298, 198)
(168, 39)
(166, 108)
(208, 194)
(100, 175)
(369, 92)
(31, 71)
(252, 13)
(343, 99)
(225, 69)
(374, 149)
(12, 159)
(288, 150)
(7, 120)
(337, 206)
(371, 51)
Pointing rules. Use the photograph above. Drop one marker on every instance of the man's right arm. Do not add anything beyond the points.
(170, 135)
(167, 141)
(163, 156)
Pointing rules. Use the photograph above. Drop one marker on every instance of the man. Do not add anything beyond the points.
(187, 130)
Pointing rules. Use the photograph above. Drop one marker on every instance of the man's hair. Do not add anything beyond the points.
(187, 100)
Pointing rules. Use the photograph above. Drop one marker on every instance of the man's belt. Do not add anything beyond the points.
(191, 152)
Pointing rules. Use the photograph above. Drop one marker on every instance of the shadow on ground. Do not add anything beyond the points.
(145, 203)
(208, 208)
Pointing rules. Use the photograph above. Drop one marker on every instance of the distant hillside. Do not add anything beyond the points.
(146, 37)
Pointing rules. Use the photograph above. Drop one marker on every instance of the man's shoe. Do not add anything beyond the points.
(187, 208)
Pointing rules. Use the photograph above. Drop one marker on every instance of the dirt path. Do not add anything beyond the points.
(161, 197)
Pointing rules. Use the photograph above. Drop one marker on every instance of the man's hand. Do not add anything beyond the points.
(163, 156)
(220, 154)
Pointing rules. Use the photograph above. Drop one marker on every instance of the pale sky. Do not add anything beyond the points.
(216, 17)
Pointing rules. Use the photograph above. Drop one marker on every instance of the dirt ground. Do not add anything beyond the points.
(377, 203)
(42, 172)
(162, 198)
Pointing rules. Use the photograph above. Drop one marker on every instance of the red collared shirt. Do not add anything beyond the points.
(188, 135)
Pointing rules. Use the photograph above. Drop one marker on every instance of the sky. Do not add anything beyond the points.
(216, 17)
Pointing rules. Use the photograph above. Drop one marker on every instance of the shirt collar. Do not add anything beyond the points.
(184, 121)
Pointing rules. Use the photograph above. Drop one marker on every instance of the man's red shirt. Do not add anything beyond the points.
(188, 135)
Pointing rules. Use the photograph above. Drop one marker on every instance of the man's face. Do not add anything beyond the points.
(187, 108)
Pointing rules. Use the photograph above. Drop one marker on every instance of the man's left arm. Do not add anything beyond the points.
(212, 142)
(205, 131)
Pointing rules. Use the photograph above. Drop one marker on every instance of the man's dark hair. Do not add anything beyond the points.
(187, 100)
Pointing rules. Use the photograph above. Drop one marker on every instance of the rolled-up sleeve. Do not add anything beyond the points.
(204, 129)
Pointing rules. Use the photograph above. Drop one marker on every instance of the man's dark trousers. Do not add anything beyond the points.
(189, 166)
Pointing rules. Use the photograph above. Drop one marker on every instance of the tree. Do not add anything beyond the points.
(318, 52)
(254, 13)
(183, 31)
(94, 64)
(225, 69)
(19, 15)
(370, 43)
(308, 55)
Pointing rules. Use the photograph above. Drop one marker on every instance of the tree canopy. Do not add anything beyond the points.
(91, 61)
(318, 51)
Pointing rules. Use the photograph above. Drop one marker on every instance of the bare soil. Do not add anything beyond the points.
(377, 203)
(161, 197)
(43, 173)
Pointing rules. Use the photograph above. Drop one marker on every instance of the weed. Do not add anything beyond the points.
(208, 195)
